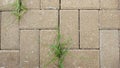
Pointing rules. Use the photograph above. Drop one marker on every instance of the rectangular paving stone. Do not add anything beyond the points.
(31, 4)
(38, 19)
(109, 19)
(82, 59)
(29, 49)
(80, 4)
(50, 4)
(6, 4)
(69, 27)
(9, 31)
(109, 4)
(89, 29)
(109, 47)
(9, 59)
(47, 38)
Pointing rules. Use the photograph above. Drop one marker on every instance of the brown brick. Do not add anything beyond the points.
(9, 59)
(47, 38)
(109, 4)
(80, 4)
(29, 49)
(109, 49)
(38, 19)
(6, 4)
(9, 31)
(109, 19)
(50, 4)
(31, 4)
(89, 29)
(69, 26)
(82, 59)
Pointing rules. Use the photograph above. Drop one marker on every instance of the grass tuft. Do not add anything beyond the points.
(59, 51)
(20, 9)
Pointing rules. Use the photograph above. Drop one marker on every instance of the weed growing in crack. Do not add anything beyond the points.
(59, 51)
(20, 9)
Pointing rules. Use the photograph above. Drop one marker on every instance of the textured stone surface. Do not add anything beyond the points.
(47, 38)
(109, 49)
(89, 29)
(36, 19)
(31, 4)
(9, 31)
(109, 19)
(88, 26)
(82, 59)
(80, 4)
(29, 49)
(109, 4)
(6, 4)
(9, 59)
(69, 27)
(50, 4)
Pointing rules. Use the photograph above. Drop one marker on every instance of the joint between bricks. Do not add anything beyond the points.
(79, 27)
(39, 47)
(20, 49)
(89, 48)
(59, 4)
(118, 4)
(99, 37)
(59, 19)
(0, 29)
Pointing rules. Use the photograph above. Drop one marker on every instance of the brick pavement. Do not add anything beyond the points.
(93, 26)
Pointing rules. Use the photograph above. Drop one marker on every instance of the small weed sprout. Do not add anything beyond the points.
(20, 9)
(59, 51)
